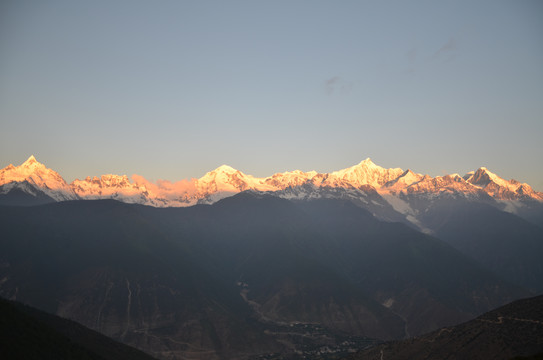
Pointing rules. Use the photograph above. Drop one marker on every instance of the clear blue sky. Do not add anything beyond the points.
(172, 89)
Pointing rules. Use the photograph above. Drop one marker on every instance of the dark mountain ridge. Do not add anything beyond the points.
(510, 331)
(28, 333)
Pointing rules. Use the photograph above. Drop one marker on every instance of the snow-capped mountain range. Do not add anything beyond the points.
(382, 191)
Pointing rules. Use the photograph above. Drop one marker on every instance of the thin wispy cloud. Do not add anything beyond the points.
(330, 84)
(447, 51)
(337, 85)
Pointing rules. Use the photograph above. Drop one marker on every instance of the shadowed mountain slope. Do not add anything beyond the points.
(512, 330)
(508, 245)
(28, 333)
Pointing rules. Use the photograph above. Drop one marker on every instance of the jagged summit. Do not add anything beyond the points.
(34, 177)
(366, 173)
(483, 177)
(31, 163)
(31, 169)
(367, 161)
(500, 188)
(31, 160)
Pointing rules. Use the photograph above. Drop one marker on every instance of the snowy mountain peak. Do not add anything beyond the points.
(223, 173)
(39, 177)
(500, 188)
(225, 179)
(31, 165)
(225, 169)
(366, 164)
(482, 177)
(365, 173)
(30, 161)
(30, 170)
